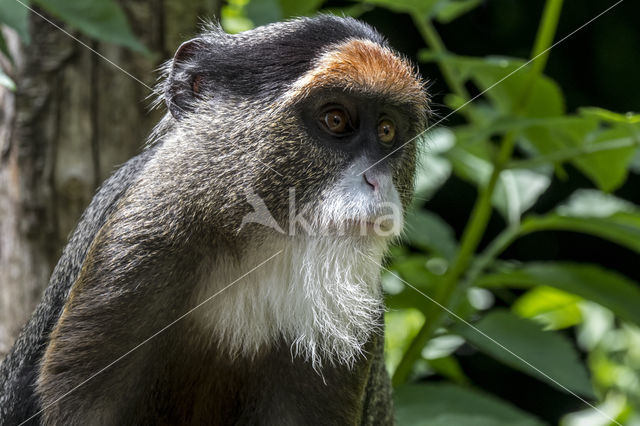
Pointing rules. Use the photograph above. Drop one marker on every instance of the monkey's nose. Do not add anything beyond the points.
(371, 181)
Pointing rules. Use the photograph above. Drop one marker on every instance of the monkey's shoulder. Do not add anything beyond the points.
(19, 370)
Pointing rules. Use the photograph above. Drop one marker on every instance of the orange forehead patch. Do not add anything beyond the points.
(364, 66)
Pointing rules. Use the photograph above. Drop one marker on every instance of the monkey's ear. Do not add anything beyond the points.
(184, 81)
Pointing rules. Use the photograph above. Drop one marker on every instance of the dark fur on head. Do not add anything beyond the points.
(242, 116)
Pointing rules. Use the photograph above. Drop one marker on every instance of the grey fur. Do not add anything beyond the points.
(161, 224)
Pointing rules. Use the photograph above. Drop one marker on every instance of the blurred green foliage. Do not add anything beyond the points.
(572, 325)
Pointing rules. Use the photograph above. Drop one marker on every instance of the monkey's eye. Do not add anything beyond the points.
(336, 121)
(386, 131)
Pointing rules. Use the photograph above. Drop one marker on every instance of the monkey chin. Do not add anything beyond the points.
(372, 227)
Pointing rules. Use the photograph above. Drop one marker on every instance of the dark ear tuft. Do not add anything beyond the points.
(184, 81)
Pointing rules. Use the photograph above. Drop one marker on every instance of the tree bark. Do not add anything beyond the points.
(73, 118)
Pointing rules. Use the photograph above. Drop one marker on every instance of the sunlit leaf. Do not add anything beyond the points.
(605, 287)
(443, 404)
(553, 308)
(234, 20)
(441, 346)
(432, 170)
(101, 19)
(597, 323)
(6, 81)
(589, 203)
(401, 327)
(547, 355)
(516, 191)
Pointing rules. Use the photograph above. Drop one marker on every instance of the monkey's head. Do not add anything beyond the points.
(312, 119)
(306, 127)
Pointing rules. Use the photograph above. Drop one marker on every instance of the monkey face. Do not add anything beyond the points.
(353, 118)
(364, 164)
(317, 116)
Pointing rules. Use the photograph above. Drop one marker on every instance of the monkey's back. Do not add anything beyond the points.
(19, 370)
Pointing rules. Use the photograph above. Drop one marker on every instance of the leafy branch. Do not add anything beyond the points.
(482, 210)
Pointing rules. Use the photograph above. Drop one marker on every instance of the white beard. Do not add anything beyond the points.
(321, 293)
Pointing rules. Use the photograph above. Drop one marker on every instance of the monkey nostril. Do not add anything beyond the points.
(372, 182)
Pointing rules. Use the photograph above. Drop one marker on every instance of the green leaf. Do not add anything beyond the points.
(264, 12)
(413, 270)
(590, 203)
(516, 191)
(432, 170)
(559, 132)
(550, 353)
(606, 168)
(441, 346)
(354, 11)
(6, 81)
(419, 7)
(553, 308)
(449, 367)
(605, 287)
(100, 19)
(505, 79)
(447, 10)
(429, 232)
(234, 20)
(443, 404)
(621, 228)
(424, 274)
(16, 16)
(401, 327)
(295, 8)
(592, 212)
(609, 116)
(471, 160)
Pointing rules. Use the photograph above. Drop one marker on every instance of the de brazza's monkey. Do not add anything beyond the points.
(287, 326)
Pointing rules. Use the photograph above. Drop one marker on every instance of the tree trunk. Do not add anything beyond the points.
(72, 119)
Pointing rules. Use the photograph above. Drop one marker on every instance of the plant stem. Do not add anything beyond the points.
(493, 250)
(476, 226)
(431, 36)
(449, 72)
